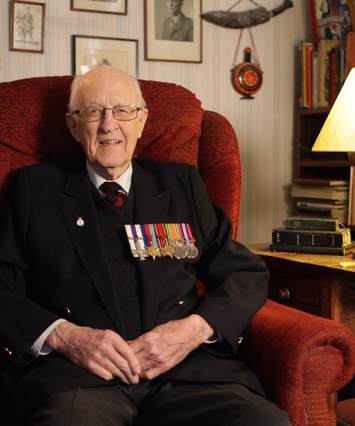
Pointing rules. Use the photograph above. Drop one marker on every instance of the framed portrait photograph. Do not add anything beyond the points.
(89, 52)
(26, 26)
(173, 30)
(331, 19)
(117, 7)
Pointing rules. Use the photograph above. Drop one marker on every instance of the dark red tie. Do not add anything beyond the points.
(112, 193)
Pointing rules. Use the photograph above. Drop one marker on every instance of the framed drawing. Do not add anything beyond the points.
(91, 51)
(117, 7)
(26, 26)
(173, 30)
(330, 20)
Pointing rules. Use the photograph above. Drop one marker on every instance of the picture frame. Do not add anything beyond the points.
(173, 35)
(90, 51)
(330, 19)
(26, 26)
(115, 7)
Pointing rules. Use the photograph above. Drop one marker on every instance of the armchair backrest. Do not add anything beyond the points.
(33, 129)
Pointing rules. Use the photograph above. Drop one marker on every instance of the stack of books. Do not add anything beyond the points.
(321, 198)
(311, 235)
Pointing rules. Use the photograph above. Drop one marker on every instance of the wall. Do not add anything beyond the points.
(263, 125)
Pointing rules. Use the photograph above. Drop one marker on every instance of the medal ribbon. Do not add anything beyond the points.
(192, 239)
(151, 233)
(146, 238)
(130, 240)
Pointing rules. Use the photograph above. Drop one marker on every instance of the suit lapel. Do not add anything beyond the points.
(78, 210)
(151, 205)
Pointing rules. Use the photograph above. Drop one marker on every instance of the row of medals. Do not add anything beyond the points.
(180, 249)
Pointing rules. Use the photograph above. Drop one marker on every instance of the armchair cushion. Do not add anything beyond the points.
(301, 359)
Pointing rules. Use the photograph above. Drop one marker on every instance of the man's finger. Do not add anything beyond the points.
(118, 367)
(125, 352)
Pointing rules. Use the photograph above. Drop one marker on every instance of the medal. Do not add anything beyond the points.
(165, 248)
(191, 249)
(131, 241)
(178, 246)
(148, 240)
(139, 241)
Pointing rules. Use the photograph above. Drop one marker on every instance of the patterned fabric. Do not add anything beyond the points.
(112, 192)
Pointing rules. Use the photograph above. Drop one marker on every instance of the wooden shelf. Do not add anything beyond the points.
(314, 111)
(324, 163)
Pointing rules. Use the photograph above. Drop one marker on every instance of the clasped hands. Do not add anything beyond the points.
(106, 354)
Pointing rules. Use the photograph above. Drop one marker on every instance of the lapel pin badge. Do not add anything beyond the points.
(80, 221)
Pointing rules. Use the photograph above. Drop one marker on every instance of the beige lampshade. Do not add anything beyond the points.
(338, 131)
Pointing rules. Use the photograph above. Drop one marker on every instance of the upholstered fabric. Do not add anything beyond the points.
(301, 359)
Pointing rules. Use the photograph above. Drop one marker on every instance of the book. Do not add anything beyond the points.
(312, 223)
(321, 182)
(296, 237)
(340, 251)
(339, 193)
(328, 208)
(350, 48)
(341, 215)
(325, 46)
(315, 73)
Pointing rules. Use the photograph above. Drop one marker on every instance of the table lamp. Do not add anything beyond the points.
(338, 131)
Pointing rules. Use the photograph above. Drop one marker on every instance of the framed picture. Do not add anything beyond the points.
(330, 20)
(89, 52)
(26, 26)
(173, 30)
(117, 7)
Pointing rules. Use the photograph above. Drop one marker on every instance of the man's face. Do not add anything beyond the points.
(174, 6)
(108, 144)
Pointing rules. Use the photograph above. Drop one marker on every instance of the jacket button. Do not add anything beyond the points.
(240, 339)
(8, 350)
(181, 302)
(67, 311)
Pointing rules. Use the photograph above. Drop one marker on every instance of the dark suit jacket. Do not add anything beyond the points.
(52, 268)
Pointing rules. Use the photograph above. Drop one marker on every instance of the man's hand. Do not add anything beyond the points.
(103, 352)
(163, 347)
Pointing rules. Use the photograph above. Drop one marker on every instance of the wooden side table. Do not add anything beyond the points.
(314, 283)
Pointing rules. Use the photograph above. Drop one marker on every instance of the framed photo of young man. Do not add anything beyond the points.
(26, 26)
(117, 7)
(90, 51)
(173, 30)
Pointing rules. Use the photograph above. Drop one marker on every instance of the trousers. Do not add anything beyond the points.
(160, 404)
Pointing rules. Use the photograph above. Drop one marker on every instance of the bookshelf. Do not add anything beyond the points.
(308, 164)
(307, 125)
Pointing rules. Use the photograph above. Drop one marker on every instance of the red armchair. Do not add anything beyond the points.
(301, 359)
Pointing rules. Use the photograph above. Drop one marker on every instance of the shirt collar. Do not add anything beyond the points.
(125, 180)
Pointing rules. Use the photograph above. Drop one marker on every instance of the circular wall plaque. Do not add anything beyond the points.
(247, 78)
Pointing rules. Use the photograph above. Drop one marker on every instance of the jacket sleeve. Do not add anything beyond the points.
(21, 320)
(235, 279)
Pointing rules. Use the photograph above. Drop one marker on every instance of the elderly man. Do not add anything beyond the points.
(98, 261)
(177, 27)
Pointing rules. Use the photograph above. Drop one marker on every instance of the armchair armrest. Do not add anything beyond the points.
(301, 360)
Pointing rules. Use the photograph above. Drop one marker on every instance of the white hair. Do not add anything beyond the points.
(77, 80)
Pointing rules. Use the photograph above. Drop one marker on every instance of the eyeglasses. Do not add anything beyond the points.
(97, 113)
